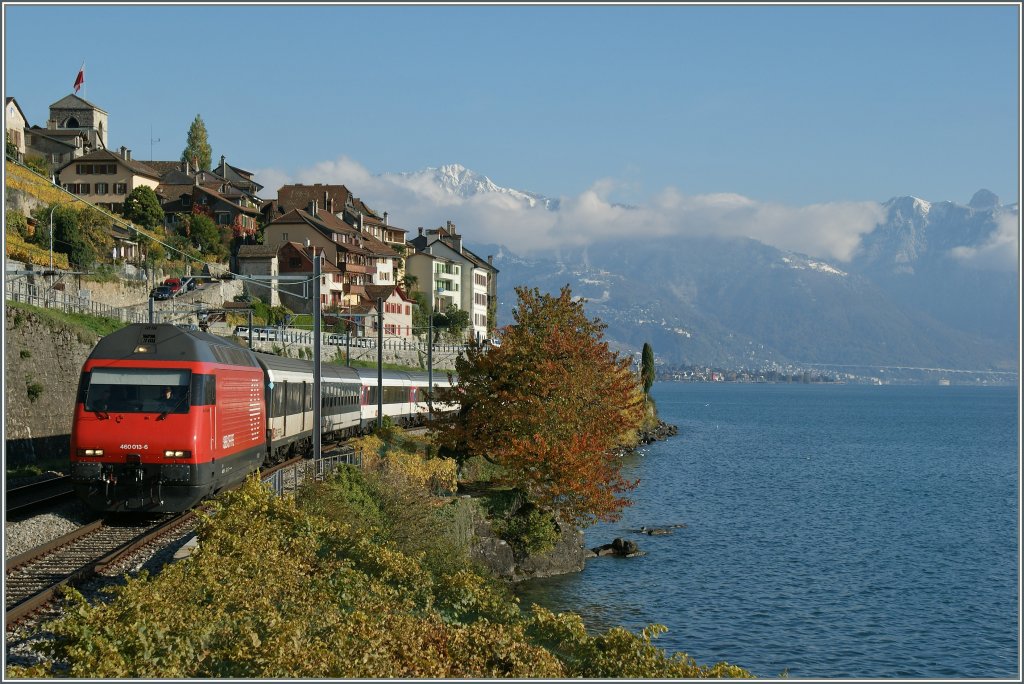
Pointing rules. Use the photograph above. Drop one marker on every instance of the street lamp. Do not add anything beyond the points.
(51, 236)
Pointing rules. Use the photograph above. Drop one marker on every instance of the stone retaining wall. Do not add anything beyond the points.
(42, 365)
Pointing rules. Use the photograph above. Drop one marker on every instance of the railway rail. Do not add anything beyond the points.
(35, 577)
(24, 499)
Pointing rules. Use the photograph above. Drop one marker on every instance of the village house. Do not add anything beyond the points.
(15, 124)
(343, 245)
(295, 259)
(452, 274)
(106, 178)
(396, 313)
(386, 241)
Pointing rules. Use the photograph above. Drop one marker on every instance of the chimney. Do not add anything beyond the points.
(312, 207)
(490, 259)
(451, 228)
(222, 163)
(127, 154)
(360, 222)
(124, 151)
(421, 230)
(385, 218)
(328, 202)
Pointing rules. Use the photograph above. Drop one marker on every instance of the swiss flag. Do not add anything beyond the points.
(80, 79)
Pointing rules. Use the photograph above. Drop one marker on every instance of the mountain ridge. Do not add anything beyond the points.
(909, 295)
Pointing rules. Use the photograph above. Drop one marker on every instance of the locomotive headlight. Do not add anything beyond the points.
(177, 454)
(90, 452)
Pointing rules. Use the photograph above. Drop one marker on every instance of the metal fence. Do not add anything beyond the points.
(19, 290)
(305, 337)
(287, 480)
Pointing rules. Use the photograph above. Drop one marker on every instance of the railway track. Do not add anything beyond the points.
(27, 498)
(36, 576)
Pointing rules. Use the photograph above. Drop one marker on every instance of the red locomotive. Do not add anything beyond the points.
(165, 417)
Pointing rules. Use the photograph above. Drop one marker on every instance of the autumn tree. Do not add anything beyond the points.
(647, 367)
(550, 406)
(197, 147)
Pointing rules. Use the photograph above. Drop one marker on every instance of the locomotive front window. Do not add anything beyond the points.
(138, 390)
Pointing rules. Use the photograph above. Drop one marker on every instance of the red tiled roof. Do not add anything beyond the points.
(299, 196)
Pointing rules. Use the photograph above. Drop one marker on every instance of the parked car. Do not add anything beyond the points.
(161, 292)
(492, 342)
(190, 284)
(174, 284)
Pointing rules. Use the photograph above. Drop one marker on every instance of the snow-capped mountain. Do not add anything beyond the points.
(905, 299)
(462, 182)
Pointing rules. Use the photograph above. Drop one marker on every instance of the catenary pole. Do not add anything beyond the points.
(317, 400)
(430, 357)
(380, 363)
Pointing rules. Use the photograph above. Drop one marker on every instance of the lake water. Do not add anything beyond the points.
(831, 531)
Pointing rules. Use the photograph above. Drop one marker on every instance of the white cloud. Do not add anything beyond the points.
(831, 230)
(1000, 251)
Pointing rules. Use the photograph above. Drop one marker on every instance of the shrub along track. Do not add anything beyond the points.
(35, 578)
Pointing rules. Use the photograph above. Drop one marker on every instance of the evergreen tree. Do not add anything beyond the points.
(647, 367)
(197, 147)
(143, 207)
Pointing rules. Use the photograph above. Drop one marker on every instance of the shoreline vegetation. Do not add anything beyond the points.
(365, 575)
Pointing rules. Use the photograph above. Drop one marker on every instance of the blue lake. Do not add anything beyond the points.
(830, 531)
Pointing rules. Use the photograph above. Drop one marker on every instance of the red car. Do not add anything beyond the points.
(175, 285)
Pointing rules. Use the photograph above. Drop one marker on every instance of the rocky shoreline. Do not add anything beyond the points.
(661, 432)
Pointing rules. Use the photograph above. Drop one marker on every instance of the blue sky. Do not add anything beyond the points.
(786, 106)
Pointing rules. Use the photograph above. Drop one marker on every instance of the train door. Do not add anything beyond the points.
(284, 412)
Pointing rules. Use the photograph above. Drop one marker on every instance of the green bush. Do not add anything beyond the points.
(528, 531)
(34, 390)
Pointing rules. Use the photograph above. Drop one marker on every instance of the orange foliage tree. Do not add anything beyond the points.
(550, 405)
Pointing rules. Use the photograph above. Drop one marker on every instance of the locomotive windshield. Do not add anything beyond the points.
(138, 390)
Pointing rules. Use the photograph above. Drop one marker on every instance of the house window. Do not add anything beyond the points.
(83, 188)
(120, 188)
(186, 201)
(284, 236)
(102, 188)
(223, 218)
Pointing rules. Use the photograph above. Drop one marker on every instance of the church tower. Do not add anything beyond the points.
(72, 113)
